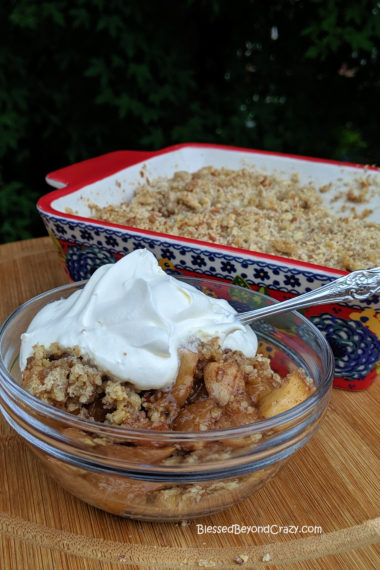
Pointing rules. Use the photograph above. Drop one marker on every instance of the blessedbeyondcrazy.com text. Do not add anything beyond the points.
(253, 529)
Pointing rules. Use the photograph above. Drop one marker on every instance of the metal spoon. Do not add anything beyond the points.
(355, 286)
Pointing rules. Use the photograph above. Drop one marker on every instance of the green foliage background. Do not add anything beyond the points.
(79, 78)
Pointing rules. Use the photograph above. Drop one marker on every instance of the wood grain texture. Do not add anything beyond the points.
(333, 483)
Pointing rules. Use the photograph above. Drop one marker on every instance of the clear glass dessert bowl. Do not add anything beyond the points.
(129, 472)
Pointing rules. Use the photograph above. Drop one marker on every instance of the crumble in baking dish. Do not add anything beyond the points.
(251, 210)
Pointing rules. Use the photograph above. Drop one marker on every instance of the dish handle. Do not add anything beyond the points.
(93, 169)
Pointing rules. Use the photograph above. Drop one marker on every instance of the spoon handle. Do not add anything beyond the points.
(355, 286)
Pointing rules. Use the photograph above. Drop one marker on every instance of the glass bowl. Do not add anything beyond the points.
(122, 471)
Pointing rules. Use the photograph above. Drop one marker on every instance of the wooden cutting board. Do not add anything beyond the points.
(332, 483)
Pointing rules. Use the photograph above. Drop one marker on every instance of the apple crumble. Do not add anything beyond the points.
(215, 389)
(153, 372)
(248, 209)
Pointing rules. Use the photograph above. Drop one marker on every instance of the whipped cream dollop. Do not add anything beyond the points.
(131, 318)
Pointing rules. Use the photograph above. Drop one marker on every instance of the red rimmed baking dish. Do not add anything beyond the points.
(85, 243)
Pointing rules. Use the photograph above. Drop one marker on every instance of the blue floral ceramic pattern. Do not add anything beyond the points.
(81, 263)
(356, 348)
(198, 259)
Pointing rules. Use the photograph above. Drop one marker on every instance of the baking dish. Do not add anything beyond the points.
(85, 243)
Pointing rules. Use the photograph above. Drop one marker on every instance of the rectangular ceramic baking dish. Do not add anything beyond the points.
(85, 243)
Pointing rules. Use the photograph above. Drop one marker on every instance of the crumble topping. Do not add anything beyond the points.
(215, 389)
(248, 209)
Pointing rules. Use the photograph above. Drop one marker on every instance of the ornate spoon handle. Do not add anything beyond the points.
(357, 285)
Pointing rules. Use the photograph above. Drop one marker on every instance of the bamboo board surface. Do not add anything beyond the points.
(332, 483)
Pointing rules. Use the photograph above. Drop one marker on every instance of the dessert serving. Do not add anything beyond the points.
(153, 374)
(138, 348)
(143, 394)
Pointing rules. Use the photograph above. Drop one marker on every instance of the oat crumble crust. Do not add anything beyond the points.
(248, 209)
(215, 389)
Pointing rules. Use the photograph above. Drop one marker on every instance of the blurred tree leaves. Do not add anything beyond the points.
(80, 78)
